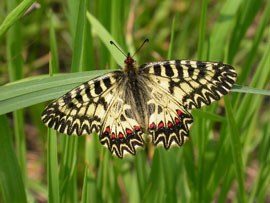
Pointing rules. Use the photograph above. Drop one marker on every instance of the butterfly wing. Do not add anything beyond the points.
(169, 122)
(81, 110)
(178, 86)
(120, 131)
(193, 83)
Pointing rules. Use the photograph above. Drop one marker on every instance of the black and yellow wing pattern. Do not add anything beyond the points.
(154, 99)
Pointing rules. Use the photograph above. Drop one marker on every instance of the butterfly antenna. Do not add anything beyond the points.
(146, 40)
(112, 43)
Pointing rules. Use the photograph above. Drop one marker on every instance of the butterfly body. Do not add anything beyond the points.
(153, 99)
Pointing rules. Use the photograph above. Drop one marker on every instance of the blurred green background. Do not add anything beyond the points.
(227, 159)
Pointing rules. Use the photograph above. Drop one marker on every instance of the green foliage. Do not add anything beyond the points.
(11, 181)
(227, 157)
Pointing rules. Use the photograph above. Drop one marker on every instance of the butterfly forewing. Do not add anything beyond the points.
(81, 110)
(193, 83)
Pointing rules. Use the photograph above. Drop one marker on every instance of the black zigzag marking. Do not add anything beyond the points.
(63, 123)
(63, 114)
(117, 146)
(176, 133)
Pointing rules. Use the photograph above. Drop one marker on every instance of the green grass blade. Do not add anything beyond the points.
(15, 71)
(245, 17)
(35, 84)
(249, 90)
(169, 55)
(105, 37)
(155, 181)
(201, 42)
(15, 15)
(78, 38)
(52, 168)
(11, 181)
(26, 93)
(52, 159)
(253, 51)
(88, 54)
(259, 80)
(67, 174)
(234, 136)
(85, 192)
(222, 29)
(90, 192)
(261, 185)
(72, 10)
(114, 28)
(141, 175)
(53, 45)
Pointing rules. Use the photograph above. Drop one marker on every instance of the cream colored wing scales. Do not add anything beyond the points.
(193, 83)
(169, 122)
(120, 131)
(81, 110)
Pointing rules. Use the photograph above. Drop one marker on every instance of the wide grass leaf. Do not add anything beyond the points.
(25, 93)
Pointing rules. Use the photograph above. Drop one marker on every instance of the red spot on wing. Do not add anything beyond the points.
(136, 128)
(128, 131)
(113, 136)
(152, 126)
(161, 124)
(178, 112)
(177, 120)
(121, 135)
(108, 130)
(170, 124)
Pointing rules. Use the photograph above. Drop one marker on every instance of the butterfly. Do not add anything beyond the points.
(154, 99)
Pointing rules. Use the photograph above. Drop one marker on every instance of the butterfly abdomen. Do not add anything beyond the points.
(137, 94)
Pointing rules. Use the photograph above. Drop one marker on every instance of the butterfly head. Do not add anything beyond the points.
(129, 61)
(129, 68)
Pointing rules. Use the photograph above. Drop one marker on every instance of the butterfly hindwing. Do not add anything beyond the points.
(193, 83)
(120, 131)
(169, 122)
